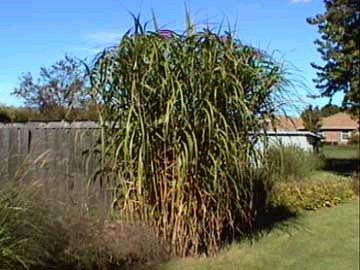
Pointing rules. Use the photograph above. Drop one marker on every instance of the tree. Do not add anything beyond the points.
(329, 109)
(339, 47)
(58, 89)
(312, 119)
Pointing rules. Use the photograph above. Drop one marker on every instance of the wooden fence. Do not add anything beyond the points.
(53, 152)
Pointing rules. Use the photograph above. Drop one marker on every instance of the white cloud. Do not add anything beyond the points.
(87, 50)
(104, 37)
(300, 1)
(95, 42)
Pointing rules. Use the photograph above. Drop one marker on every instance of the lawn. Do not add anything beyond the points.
(340, 151)
(325, 239)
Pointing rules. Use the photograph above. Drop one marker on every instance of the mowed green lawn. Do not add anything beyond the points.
(327, 239)
(340, 151)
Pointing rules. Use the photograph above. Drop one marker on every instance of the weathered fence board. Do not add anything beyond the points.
(44, 151)
(64, 143)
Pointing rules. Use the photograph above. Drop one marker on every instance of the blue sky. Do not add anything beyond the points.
(36, 33)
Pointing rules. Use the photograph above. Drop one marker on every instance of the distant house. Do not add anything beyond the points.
(290, 131)
(289, 124)
(336, 129)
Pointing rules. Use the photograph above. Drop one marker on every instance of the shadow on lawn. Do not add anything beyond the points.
(342, 166)
(275, 217)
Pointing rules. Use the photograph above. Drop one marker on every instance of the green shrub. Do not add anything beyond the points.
(354, 139)
(22, 114)
(292, 162)
(321, 190)
(356, 183)
(19, 114)
(4, 116)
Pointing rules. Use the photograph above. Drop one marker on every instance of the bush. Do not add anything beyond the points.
(20, 114)
(356, 183)
(4, 116)
(321, 190)
(354, 139)
(36, 233)
(292, 162)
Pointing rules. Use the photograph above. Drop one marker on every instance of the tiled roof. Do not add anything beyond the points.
(340, 120)
(288, 124)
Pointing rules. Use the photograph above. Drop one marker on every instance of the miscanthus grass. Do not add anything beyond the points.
(180, 114)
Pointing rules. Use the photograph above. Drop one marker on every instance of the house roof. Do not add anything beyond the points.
(283, 123)
(340, 120)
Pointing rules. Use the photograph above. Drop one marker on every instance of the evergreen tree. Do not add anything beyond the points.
(329, 109)
(339, 46)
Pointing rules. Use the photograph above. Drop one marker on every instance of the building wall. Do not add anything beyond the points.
(301, 141)
(335, 136)
(332, 136)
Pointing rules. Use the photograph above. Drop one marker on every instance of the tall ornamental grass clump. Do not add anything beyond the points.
(179, 114)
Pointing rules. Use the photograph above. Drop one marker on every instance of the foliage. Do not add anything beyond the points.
(4, 116)
(292, 162)
(37, 233)
(24, 114)
(59, 88)
(21, 245)
(339, 47)
(329, 109)
(356, 183)
(177, 113)
(20, 114)
(321, 190)
(312, 119)
(88, 112)
(354, 139)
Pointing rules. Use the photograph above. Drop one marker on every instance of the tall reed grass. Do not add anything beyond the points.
(180, 114)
